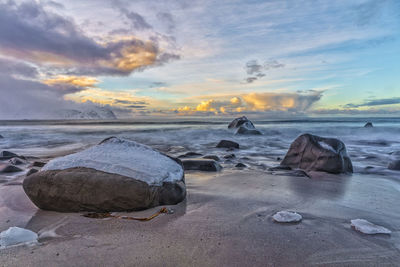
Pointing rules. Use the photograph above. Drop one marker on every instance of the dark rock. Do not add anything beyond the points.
(227, 144)
(394, 165)
(9, 168)
(7, 155)
(244, 126)
(368, 125)
(278, 158)
(38, 164)
(1, 136)
(248, 128)
(214, 157)
(201, 165)
(84, 189)
(143, 181)
(314, 153)
(230, 156)
(16, 161)
(280, 168)
(190, 155)
(32, 171)
(240, 165)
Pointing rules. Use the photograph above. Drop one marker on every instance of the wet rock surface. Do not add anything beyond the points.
(227, 144)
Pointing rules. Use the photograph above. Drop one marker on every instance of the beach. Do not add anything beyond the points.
(226, 218)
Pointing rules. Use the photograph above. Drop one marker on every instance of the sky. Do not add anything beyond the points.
(216, 58)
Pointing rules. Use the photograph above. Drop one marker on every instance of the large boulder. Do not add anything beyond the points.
(243, 126)
(115, 175)
(315, 153)
(394, 165)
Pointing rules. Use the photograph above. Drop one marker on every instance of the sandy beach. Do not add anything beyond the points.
(224, 221)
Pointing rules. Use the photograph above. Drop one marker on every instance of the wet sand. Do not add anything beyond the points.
(225, 221)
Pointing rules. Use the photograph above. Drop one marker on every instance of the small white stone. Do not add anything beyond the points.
(368, 228)
(14, 236)
(287, 216)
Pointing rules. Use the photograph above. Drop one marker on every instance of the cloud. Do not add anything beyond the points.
(257, 70)
(42, 37)
(375, 102)
(167, 19)
(294, 103)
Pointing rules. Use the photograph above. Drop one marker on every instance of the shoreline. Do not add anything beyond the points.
(225, 220)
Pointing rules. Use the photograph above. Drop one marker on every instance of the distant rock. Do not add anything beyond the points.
(93, 113)
(9, 169)
(368, 125)
(214, 157)
(394, 165)
(7, 155)
(16, 161)
(287, 217)
(240, 165)
(227, 144)
(1, 136)
(190, 155)
(230, 156)
(115, 175)
(368, 228)
(201, 165)
(244, 126)
(314, 153)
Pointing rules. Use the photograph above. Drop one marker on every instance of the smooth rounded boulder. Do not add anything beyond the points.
(315, 153)
(115, 175)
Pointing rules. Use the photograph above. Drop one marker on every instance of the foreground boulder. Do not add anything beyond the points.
(208, 165)
(314, 153)
(394, 165)
(115, 175)
(227, 144)
(243, 126)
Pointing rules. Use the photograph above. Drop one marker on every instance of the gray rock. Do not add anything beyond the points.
(394, 165)
(201, 165)
(236, 123)
(230, 156)
(84, 189)
(32, 171)
(368, 125)
(227, 144)
(214, 157)
(314, 153)
(9, 168)
(1, 136)
(7, 155)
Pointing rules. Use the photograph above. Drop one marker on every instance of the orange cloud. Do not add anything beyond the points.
(79, 81)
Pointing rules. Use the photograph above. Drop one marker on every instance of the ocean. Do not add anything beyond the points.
(370, 149)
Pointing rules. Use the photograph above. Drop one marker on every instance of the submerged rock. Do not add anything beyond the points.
(287, 217)
(240, 165)
(227, 144)
(14, 236)
(394, 165)
(190, 155)
(9, 168)
(1, 136)
(314, 153)
(16, 161)
(214, 157)
(115, 175)
(230, 156)
(201, 165)
(368, 125)
(38, 164)
(7, 155)
(368, 228)
(244, 126)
